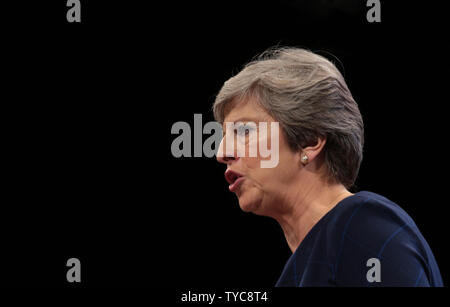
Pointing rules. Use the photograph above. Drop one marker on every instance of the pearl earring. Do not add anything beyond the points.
(305, 159)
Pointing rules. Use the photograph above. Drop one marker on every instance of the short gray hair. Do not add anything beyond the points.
(309, 97)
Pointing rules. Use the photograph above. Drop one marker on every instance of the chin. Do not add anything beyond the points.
(249, 202)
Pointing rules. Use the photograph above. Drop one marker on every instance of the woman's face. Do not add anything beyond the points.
(257, 188)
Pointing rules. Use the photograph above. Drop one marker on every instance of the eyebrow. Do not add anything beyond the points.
(244, 119)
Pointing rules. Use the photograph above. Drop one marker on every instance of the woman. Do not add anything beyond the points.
(337, 238)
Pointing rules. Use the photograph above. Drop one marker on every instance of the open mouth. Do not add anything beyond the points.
(234, 179)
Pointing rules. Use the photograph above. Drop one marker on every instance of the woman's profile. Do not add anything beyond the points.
(338, 238)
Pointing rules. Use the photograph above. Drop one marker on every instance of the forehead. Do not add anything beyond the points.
(245, 110)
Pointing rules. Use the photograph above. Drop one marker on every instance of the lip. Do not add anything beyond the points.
(234, 179)
(233, 187)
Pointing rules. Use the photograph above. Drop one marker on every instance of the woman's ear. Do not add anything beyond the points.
(309, 153)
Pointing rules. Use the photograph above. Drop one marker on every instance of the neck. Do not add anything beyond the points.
(305, 207)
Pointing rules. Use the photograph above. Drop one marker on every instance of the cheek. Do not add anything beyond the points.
(261, 177)
(277, 177)
(269, 178)
(257, 176)
(250, 157)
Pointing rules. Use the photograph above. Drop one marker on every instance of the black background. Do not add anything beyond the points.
(87, 111)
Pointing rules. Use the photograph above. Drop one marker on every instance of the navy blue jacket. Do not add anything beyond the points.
(338, 249)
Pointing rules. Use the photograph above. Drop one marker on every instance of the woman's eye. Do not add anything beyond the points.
(243, 130)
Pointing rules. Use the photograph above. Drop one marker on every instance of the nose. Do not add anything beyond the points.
(225, 157)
